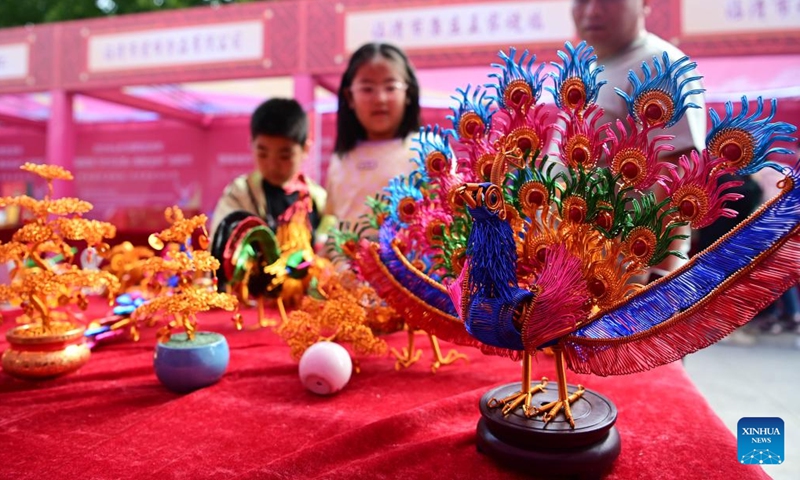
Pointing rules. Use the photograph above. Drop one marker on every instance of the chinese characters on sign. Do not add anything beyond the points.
(226, 42)
(14, 61)
(769, 10)
(461, 25)
(738, 16)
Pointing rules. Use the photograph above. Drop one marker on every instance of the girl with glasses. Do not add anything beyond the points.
(378, 113)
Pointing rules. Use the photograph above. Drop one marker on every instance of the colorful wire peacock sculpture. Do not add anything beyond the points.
(491, 243)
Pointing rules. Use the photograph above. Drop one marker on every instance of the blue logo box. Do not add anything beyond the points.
(760, 441)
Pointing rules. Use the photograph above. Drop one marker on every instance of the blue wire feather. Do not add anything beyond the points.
(399, 188)
(666, 79)
(429, 140)
(512, 70)
(762, 130)
(479, 102)
(576, 62)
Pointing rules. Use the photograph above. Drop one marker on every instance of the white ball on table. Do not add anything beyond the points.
(325, 368)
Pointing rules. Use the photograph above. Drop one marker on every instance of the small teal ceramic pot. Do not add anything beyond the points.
(183, 365)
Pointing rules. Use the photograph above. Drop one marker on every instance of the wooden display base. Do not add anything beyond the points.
(555, 449)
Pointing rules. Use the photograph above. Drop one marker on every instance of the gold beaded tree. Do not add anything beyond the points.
(40, 288)
(182, 302)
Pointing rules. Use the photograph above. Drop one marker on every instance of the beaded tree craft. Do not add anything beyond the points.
(51, 342)
(183, 301)
(54, 222)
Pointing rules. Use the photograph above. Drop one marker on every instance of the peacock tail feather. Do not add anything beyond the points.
(661, 98)
(576, 85)
(747, 142)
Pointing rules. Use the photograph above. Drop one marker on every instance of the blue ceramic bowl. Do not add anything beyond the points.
(183, 366)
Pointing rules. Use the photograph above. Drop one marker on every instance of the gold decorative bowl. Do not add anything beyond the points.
(37, 353)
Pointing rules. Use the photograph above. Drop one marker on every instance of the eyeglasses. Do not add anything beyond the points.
(390, 89)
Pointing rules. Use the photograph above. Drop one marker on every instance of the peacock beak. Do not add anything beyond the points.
(471, 194)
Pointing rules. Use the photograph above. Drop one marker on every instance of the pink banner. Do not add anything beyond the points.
(230, 156)
(132, 173)
(138, 169)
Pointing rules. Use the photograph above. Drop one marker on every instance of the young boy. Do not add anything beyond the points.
(279, 134)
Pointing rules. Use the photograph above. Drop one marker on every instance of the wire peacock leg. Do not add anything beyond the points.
(564, 401)
(408, 356)
(438, 360)
(524, 396)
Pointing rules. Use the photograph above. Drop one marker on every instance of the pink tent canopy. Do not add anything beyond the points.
(164, 99)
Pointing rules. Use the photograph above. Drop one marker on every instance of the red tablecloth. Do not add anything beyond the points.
(112, 419)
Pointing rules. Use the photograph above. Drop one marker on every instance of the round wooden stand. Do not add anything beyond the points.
(554, 449)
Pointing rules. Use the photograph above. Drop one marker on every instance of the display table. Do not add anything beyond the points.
(112, 419)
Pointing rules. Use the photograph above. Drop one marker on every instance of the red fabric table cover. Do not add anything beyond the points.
(113, 419)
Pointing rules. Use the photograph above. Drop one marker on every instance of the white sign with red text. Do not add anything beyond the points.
(170, 47)
(711, 17)
(461, 25)
(14, 61)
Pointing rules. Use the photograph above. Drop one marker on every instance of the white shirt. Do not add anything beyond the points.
(363, 172)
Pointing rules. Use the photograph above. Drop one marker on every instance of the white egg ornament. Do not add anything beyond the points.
(325, 368)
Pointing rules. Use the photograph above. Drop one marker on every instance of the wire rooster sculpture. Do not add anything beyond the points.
(492, 243)
(254, 260)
